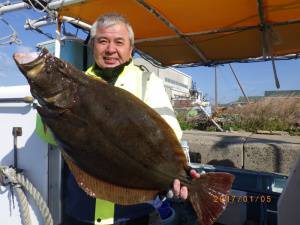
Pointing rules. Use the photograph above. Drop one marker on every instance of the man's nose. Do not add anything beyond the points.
(111, 48)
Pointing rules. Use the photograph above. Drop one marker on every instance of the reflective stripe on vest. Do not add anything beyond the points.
(104, 212)
(43, 131)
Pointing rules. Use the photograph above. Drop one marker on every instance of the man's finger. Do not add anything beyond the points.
(184, 193)
(176, 187)
(194, 174)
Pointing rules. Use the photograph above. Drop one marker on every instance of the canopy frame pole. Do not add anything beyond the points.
(172, 27)
(237, 80)
(277, 83)
(266, 47)
(263, 29)
(243, 28)
(219, 31)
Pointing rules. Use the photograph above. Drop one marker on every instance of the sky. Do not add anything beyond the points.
(9, 74)
(255, 78)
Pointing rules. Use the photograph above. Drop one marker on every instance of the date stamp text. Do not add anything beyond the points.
(242, 198)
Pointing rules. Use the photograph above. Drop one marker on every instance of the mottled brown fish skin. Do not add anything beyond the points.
(114, 136)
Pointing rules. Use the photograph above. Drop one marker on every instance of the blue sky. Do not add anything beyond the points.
(9, 74)
(254, 77)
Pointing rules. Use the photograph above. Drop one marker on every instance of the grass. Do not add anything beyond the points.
(183, 122)
(270, 114)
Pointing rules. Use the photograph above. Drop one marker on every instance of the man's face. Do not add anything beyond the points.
(112, 46)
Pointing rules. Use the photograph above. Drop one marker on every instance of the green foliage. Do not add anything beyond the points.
(184, 124)
(252, 124)
(270, 114)
(188, 122)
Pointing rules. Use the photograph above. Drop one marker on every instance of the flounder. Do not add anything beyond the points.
(117, 147)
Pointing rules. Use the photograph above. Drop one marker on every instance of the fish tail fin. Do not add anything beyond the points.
(208, 195)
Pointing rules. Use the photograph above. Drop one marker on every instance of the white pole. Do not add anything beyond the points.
(13, 7)
(22, 5)
(58, 40)
(37, 23)
(74, 21)
(211, 119)
(60, 3)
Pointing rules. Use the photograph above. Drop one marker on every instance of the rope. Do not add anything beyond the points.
(12, 38)
(15, 178)
(23, 203)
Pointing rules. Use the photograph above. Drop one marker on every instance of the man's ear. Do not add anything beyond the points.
(91, 43)
(132, 51)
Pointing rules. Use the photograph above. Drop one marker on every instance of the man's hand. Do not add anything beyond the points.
(182, 192)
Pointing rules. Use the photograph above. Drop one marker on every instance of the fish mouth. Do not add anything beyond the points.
(25, 58)
(30, 63)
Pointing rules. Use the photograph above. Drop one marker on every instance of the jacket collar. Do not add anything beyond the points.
(109, 75)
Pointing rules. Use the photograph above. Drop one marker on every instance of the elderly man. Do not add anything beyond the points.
(112, 41)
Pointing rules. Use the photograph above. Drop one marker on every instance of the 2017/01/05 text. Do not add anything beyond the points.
(242, 198)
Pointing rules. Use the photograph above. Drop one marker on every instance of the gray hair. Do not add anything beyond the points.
(108, 20)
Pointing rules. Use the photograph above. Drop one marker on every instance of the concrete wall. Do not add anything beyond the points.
(267, 153)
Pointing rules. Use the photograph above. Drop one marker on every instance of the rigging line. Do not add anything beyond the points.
(40, 31)
(51, 13)
(46, 17)
(13, 37)
(65, 32)
(46, 34)
(35, 8)
(76, 34)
